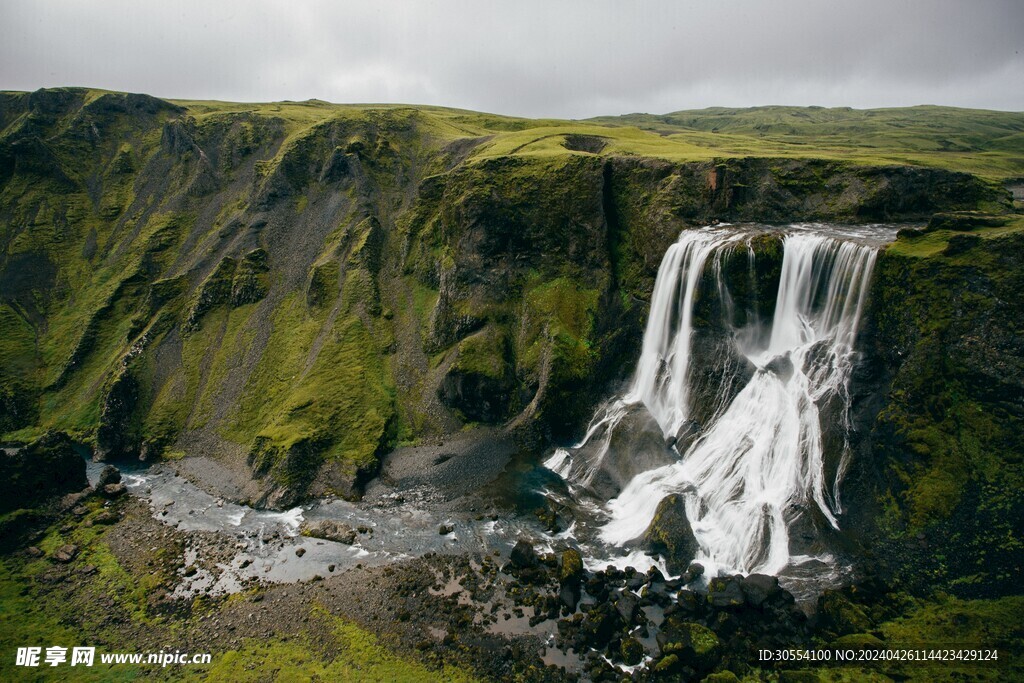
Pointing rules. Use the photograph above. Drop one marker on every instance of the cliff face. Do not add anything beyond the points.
(935, 491)
(301, 287)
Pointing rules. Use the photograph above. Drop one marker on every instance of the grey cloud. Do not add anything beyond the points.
(565, 59)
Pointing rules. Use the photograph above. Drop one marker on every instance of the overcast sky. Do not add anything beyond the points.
(563, 59)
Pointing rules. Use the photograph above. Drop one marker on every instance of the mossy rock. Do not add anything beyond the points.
(837, 614)
(858, 641)
(631, 651)
(670, 534)
(570, 566)
(722, 677)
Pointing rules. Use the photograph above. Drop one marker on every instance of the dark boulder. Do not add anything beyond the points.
(109, 475)
(696, 646)
(631, 651)
(636, 445)
(760, 588)
(523, 555)
(628, 607)
(569, 595)
(725, 593)
(44, 468)
(671, 536)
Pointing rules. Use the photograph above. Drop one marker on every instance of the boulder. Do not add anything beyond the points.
(631, 650)
(628, 607)
(109, 475)
(569, 595)
(636, 445)
(329, 530)
(523, 555)
(670, 534)
(699, 647)
(725, 593)
(65, 553)
(113, 490)
(760, 588)
(570, 567)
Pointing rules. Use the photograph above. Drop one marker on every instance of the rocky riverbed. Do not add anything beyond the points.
(526, 610)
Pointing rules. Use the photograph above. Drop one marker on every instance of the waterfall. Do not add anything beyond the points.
(761, 461)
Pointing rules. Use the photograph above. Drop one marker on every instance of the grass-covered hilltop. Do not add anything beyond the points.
(280, 294)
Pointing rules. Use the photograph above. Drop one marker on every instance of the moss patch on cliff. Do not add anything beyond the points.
(949, 440)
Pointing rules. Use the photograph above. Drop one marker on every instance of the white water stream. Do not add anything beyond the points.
(761, 462)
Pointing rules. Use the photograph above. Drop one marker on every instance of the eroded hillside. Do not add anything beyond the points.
(295, 289)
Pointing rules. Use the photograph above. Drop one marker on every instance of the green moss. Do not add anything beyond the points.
(323, 284)
(351, 654)
(485, 353)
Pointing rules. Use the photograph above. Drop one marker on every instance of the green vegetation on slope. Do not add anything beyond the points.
(310, 283)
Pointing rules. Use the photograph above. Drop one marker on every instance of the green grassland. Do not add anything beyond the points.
(986, 143)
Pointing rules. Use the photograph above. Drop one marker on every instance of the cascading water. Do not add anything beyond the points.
(760, 462)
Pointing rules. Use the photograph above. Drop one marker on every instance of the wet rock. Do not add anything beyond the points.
(670, 534)
(330, 530)
(636, 445)
(759, 588)
(725, 592)
(109, 475)
(631, 650)
(65, 553)
(600, 624)
(445, 529)
(628, 607)
(523, 555)
(781, 366)
(299, 552)
(569, 595)
(689, 602)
